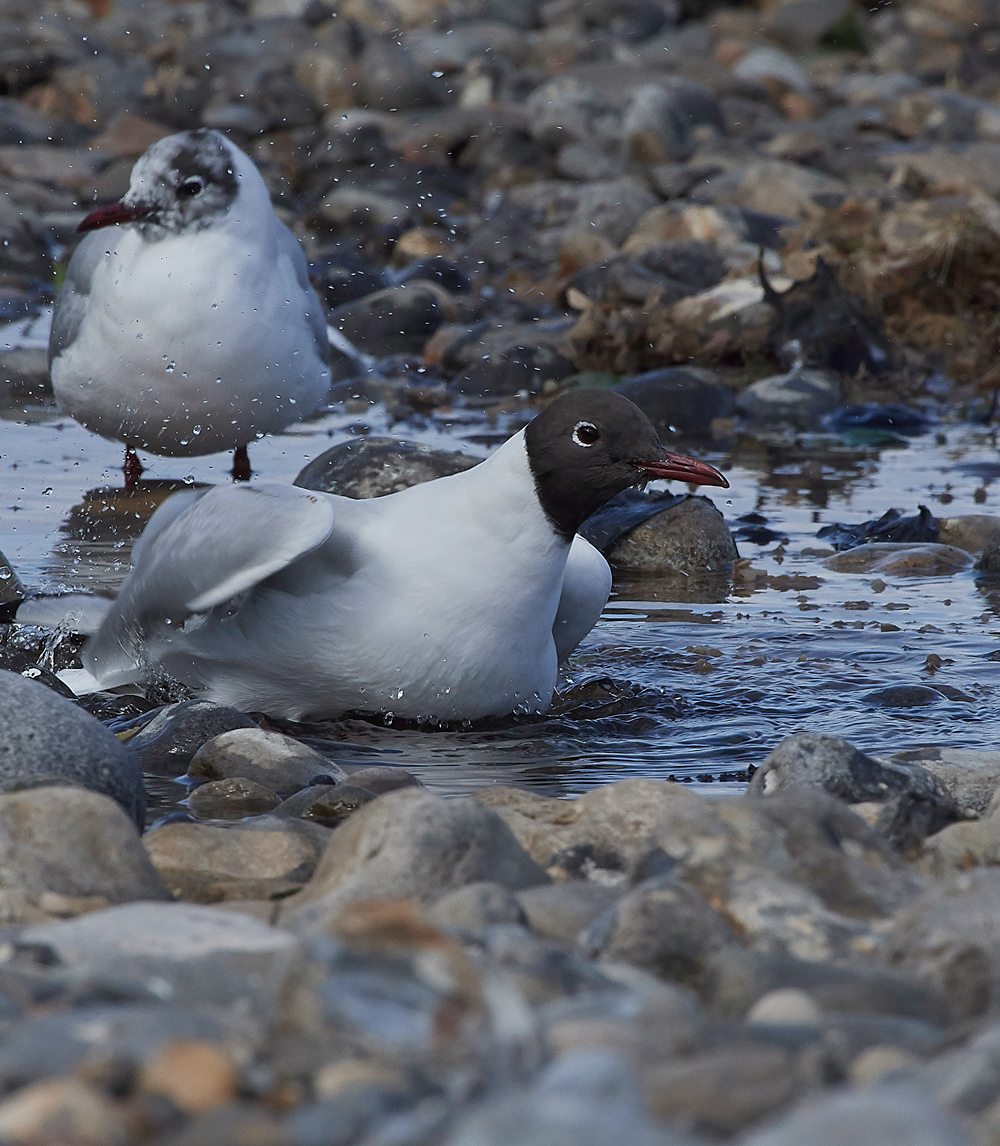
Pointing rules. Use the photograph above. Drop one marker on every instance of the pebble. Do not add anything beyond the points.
(376, 466)
(900, 559)
(272, 760)
(688, 539)
(231, 800)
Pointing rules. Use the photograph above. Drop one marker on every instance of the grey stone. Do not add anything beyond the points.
(512, 370)
(271, 759)
(720, 1092)
(663, 926)
(54, 1045)
(687, 539)
(380, 778)
(390, 79)
(972, 777)
(914, 803)
(800, 398)
(609, 208)
(374, 467)
(797, 872)
(414, 845)
(959, 847)
(564, 111)
(767, 63)
(656, 127)
(585, 1098)
(24, 376)
(617, 818)
(397, 320)
(560, 911)
(973, 532)
(736, 978)
(167, 743)
(198, 956)
(46, 740)
(965, 1078)
(896, 1115)
(949, 938)
(326, 804)
(64, 850)
(247, 859)
(231, 800)
(800, 24)
(477, 906)
(680, 401)
(544, 971)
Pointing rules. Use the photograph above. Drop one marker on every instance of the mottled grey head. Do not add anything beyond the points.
(588, 446)
(185, 182)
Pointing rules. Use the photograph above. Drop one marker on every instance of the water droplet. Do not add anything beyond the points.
(171, 367)
(47, 491)
(196, 430)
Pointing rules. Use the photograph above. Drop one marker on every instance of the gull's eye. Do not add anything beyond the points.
(585, 433)
(189, 188)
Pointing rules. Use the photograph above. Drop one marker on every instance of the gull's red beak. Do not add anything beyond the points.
(116, 213)
(678, 467)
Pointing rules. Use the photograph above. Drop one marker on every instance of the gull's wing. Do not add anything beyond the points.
(585, 590)
(201, 548)
(74, 297)
(288, 246)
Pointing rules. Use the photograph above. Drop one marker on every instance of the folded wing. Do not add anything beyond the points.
(200, 549)
(585, 590)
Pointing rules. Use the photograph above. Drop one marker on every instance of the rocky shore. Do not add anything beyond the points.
(320, 954)
(754, 220)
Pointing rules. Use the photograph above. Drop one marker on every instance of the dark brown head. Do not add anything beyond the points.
(589, 445)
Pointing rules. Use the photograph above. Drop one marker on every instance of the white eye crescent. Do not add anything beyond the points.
(585, 433)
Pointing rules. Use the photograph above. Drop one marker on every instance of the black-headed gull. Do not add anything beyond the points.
(187, 323)
(454, 600)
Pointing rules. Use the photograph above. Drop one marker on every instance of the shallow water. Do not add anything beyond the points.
(711, 677)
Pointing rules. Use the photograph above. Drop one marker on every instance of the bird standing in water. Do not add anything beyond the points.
(454, 600)
(187, 323)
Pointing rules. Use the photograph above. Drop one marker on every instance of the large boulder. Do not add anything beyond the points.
(45, 740)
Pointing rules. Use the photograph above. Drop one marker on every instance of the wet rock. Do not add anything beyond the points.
(948, 938)
(23, 664)
(397, 320)
(46, 740)
(622, 513)
(913, 803)
(275, 761)
(892, 1115)
(973, 532)
(682, 401)
(688, 539)
(65, 851)
(890, 416)
(588, 1097)
(190, 954)
(797, 872)
(722, 1091)
(326, 804)
(900, 559)
(62, 1110)
(231, 800)
(907, 696)
(248, 859)
(617, 817)
(380, 778)
(374, 467)
(409, 844)
(476, 907)
(561, 911)
(340, 279)
(971, 777)
(891, 526)
(167, 743)
(24, 376)
(800, 398)
(663, 926)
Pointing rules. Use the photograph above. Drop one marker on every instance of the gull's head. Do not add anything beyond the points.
(589, 445)
(185, 182)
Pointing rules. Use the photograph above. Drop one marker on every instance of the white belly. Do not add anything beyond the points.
(174, 361)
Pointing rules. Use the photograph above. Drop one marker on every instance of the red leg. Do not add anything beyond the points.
(132, 469)
(241, 464)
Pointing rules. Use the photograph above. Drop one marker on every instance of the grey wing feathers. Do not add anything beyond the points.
(218, 544)
(314, 315)
(74, 297)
